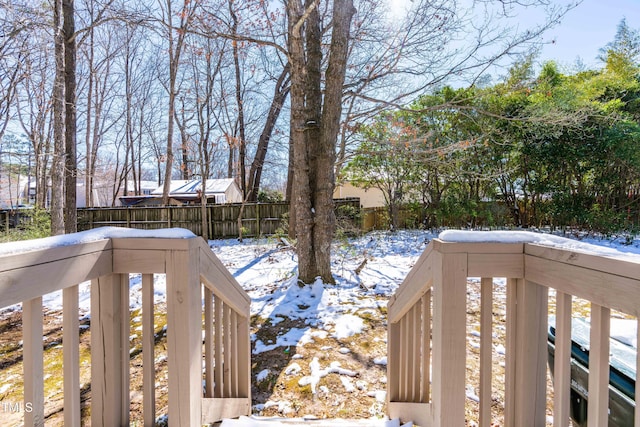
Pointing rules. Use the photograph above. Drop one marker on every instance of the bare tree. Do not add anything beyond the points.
(176, 41)
(57, 165)
(70, 164)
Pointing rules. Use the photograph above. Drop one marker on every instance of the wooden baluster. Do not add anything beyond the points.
(71, 356)
(208, 342)
(226, 322)
(598, 408)
(233, 332)
(415, 357)
(404, 368)
(125, 350)
(486, 349)
(562, 361)
(426, 347)
(510, 354)
(244, 358)
(393, 362)
(148, 353)
(32, 355)
(219, 378)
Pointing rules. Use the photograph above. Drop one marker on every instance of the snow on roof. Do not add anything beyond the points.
(213, 186)
(173, 185)
(218, 185)
(516, 236)
(94, 235)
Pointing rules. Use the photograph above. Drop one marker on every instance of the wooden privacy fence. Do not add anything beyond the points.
(427, 330)
(61, 263)
(257, 218)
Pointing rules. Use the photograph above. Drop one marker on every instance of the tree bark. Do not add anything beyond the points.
(315, 123)
(302, 216)
(280, 95)
(57, 163)
(242, 143)
(71, 167)
(343, 11)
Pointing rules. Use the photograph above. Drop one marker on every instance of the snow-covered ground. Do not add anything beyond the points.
(267, 271)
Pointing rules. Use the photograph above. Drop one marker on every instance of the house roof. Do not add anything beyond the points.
(173, 185)
(213, 186)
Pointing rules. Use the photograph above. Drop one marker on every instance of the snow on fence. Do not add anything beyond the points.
(30, 270)
(427, 354)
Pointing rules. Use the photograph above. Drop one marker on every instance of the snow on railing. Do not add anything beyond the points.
(106, 257)
(427, 343)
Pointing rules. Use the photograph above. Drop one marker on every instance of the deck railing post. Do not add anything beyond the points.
(184, 336)
(526, 376)
(110, 351)
(449, 338)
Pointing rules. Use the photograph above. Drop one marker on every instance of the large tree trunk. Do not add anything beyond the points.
(301, 214)
(315, 124)
(343, 11)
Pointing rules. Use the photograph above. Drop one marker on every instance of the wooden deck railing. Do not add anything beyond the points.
(427, 330)
(53, 264)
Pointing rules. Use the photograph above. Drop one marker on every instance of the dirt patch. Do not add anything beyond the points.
(11, 367)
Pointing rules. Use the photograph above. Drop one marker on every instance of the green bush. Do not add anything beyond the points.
(34, 224)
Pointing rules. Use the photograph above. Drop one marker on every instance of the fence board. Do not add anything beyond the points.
(258, 219)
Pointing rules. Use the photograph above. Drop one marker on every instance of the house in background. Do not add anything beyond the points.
(183, 192)
(371, 197)
(12, 191)
(146, 187)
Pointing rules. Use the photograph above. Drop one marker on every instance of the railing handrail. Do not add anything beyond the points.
(33, 269)
(609, 279)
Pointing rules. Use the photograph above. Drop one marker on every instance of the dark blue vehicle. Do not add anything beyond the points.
(622, 375)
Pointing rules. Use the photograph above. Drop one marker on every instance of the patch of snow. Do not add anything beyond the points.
(262, 375)
(347, 383)
(293, 369)
(379, 395)
(347, 326)
(380, 360)
(291, 338)
(94, 235)
(517, 236)
(471, 394)
(334, 368)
